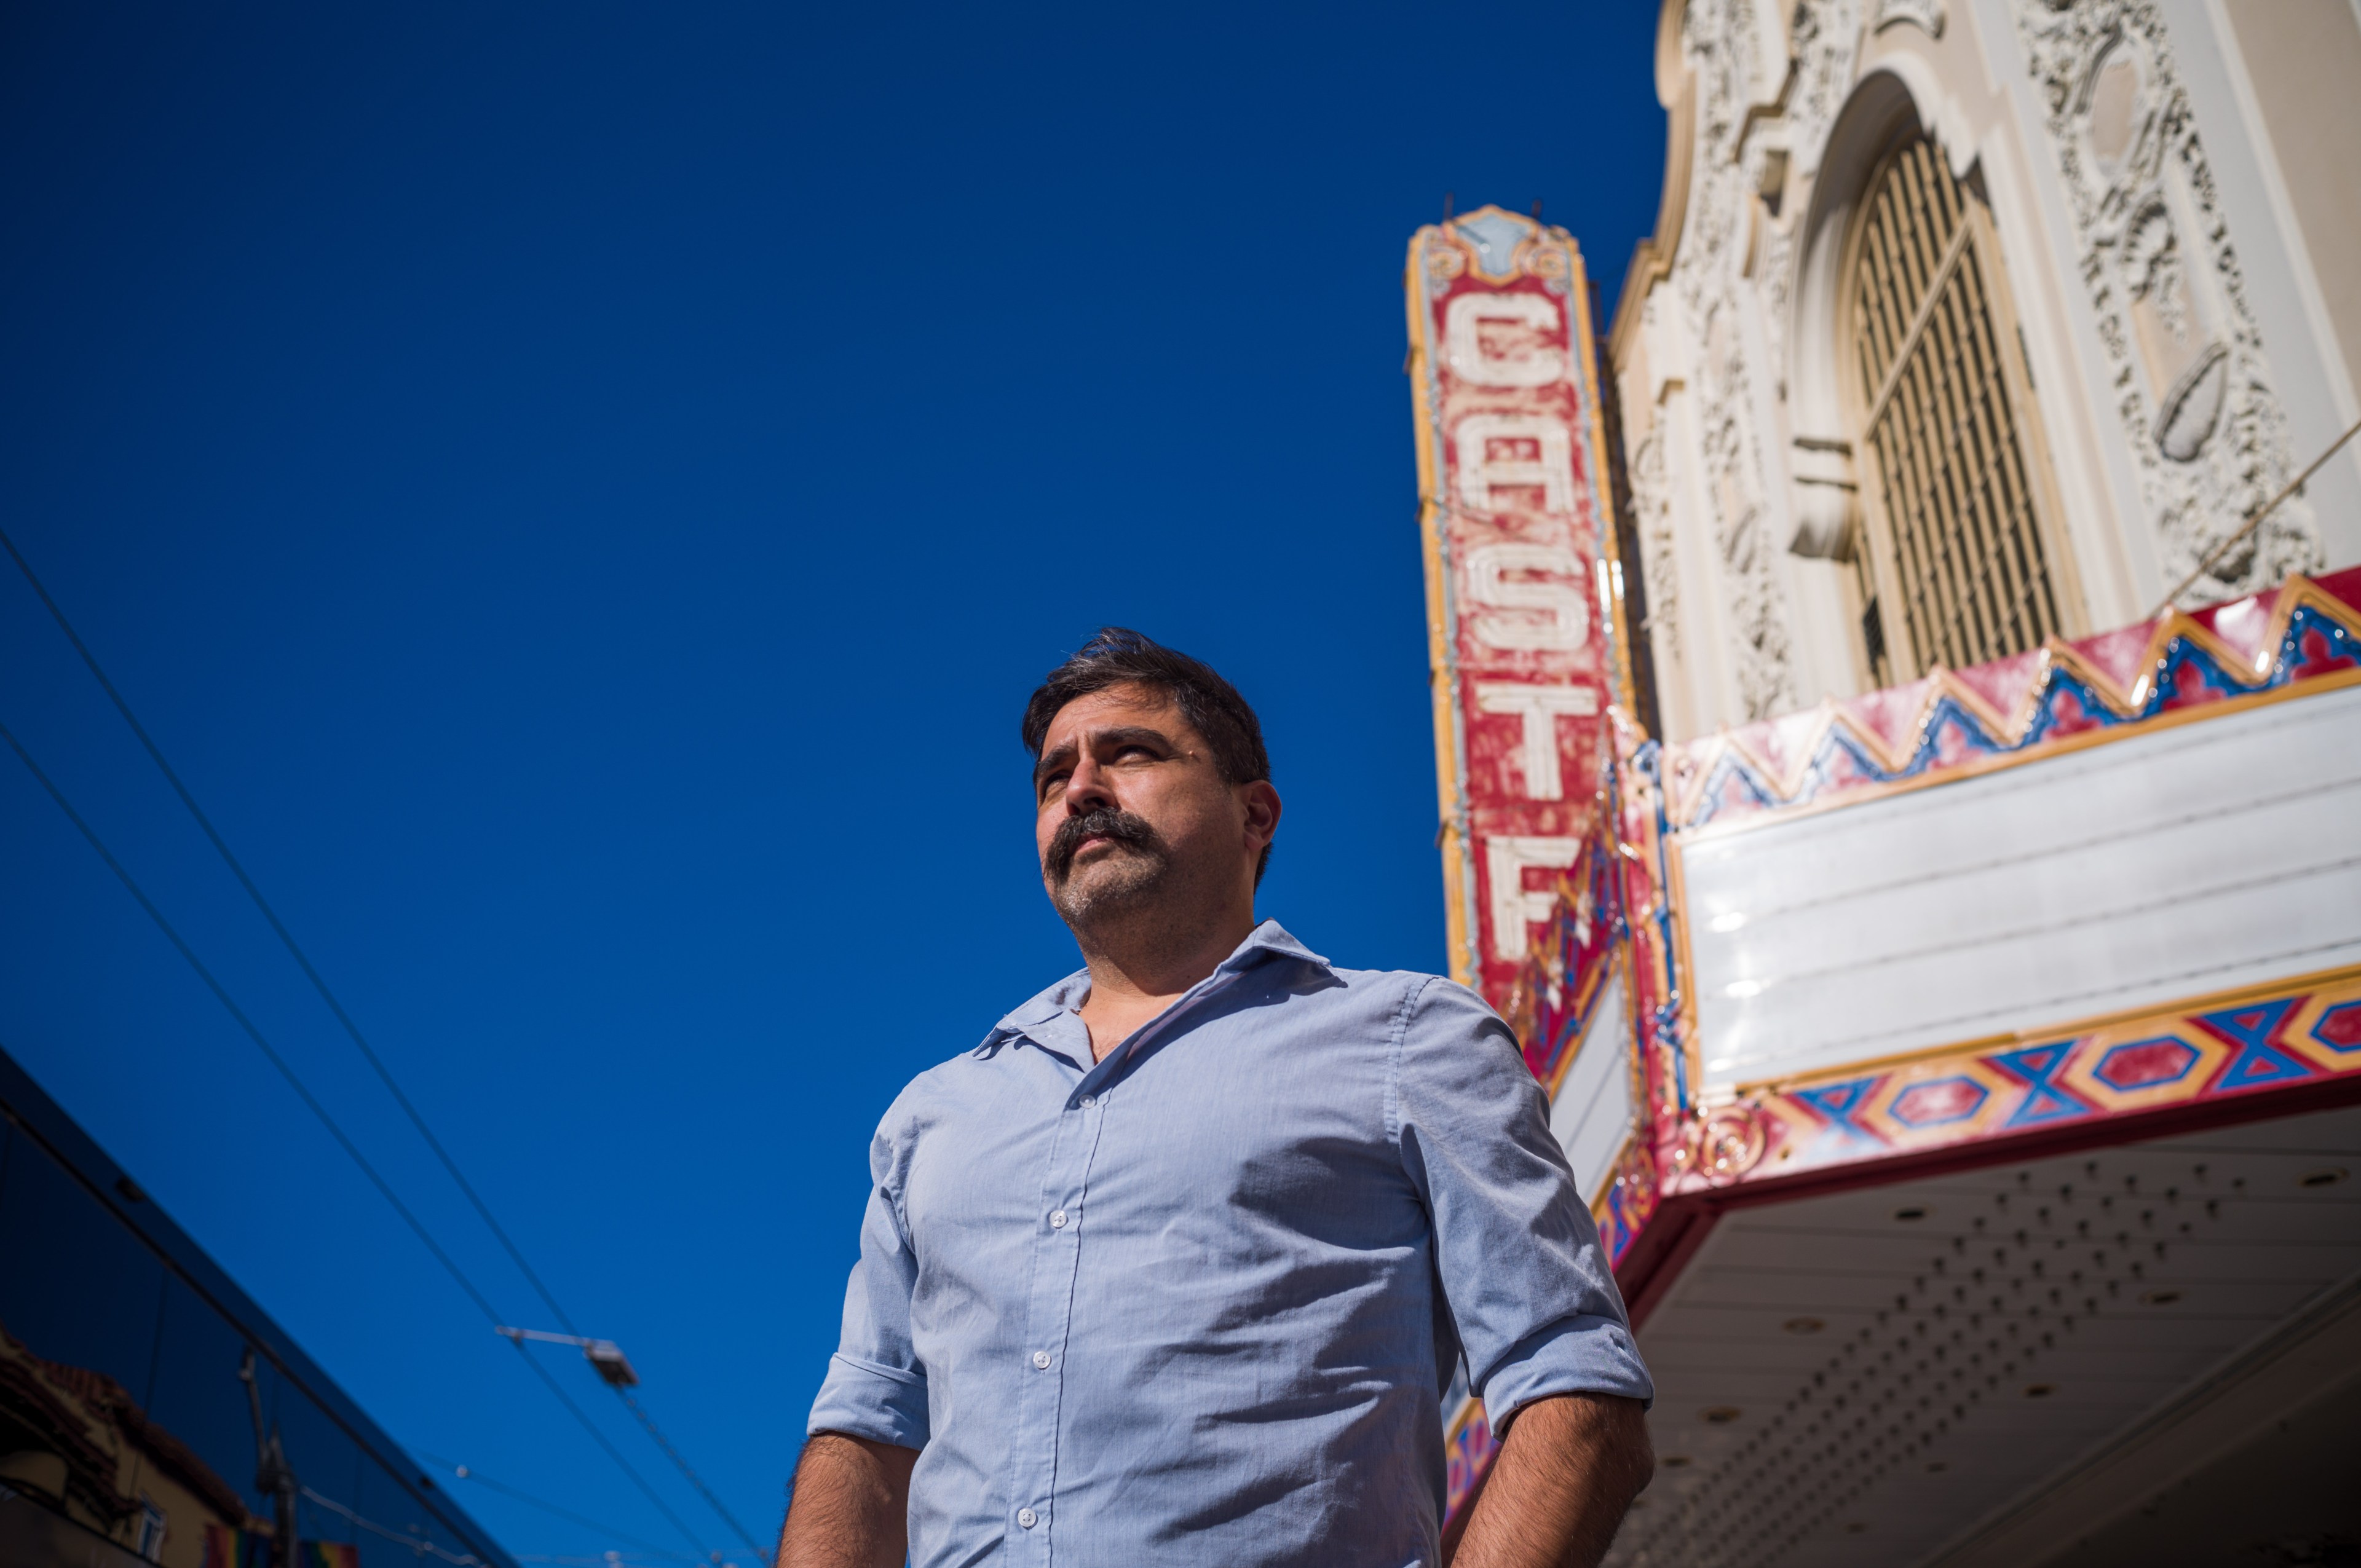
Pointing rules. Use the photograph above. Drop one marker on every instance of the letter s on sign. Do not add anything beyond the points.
(1527, 614)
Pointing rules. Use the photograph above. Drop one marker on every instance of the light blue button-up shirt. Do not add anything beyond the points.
(1196, 1303)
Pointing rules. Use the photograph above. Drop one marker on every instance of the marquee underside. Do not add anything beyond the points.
(1986, 1368)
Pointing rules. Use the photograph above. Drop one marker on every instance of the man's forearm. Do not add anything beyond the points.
(1566, 1472)
(851, 1504)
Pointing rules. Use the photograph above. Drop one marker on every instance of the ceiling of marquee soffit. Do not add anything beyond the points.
(2283, 1497)
(1804, 1418)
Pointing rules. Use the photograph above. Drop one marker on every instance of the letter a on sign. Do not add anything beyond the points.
(1527, 656)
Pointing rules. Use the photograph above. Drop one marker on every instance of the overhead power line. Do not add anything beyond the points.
(345, 1018)
(312, 1101)
(418, 1546)
(221, 994)
(278, 928)
(470, 1473)
(694, 1480)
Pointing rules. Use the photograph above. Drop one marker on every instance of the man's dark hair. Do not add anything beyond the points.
(1118, 656)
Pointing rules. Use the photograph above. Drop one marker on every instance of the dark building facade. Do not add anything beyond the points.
(152, 1413)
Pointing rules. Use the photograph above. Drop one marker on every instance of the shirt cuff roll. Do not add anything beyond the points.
(862, 1398)
(1581, 1354)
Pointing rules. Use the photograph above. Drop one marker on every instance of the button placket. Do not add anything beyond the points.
(1033, 1468)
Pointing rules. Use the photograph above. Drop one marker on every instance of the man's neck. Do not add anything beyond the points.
(1138, 969)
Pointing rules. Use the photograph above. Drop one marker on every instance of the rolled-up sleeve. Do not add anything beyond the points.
(875, 1386)
(1528, 1290)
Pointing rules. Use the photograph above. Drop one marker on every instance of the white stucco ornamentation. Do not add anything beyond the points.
(1926, 14)
(1826, 38)
(1722, 44)
(1757, 109)
(2190, 382)
(1652, 507)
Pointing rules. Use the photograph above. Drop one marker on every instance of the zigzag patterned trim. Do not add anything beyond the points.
(1956, 722)
(2298, 1033)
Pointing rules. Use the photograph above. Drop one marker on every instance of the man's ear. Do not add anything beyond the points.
(1261, 805)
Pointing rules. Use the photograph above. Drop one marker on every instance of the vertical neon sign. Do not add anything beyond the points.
(1520, 587)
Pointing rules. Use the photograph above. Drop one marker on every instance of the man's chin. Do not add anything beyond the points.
(1108, 885)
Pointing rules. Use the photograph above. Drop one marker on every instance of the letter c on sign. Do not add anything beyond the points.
(1463, 343)
(1521, 613)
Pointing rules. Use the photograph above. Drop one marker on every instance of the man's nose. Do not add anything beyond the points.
(1087, 787)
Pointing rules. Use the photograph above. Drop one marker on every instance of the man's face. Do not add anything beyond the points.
(1131, 809)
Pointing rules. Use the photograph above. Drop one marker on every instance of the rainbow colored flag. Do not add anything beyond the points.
(228, 1547)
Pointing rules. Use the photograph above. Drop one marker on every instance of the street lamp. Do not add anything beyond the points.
(605, 1356)
(272, 1475)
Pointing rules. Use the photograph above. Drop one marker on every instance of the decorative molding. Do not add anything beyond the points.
(1652, 507)
(1925, 14)
(1827, 498)
(2103, 1078)
(1823, 36)
(1955, 723)
(1706, 300)
(1652, 258)
(2291, 1034)
(2188, 372)
(1719, 323)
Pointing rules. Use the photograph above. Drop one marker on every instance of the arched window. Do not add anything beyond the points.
(1958, 567)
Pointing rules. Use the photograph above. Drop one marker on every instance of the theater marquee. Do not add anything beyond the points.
(1521, 585)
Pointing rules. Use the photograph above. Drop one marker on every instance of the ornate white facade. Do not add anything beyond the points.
(2177, 223)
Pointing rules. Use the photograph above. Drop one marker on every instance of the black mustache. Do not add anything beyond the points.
(1120, 826)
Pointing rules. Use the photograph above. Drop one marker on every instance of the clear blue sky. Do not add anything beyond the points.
(582, 494)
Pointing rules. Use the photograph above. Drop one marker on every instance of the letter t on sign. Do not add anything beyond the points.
(1539, 707)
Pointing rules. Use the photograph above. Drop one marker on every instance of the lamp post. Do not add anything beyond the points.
(272, 1475)
(605, 1356)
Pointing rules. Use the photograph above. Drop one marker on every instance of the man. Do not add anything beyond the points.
(1173, 1268)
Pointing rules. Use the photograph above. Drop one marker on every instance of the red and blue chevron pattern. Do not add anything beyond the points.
(1955, 721)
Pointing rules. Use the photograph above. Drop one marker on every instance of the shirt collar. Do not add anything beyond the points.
(1039, 1014)
(1271, 936)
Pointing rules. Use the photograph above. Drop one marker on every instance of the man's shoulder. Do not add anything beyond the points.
(955, 1073)
(1408, 988)
(1432, 1020)
(1414, 1008)
(948, 1093)
(1399, 979)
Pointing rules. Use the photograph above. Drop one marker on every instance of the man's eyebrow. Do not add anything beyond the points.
(1133, 734)
(1064, 753)
(1123, 735)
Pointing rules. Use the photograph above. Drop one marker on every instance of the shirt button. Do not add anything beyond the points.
(1027, 1517)
(1057, 1219)
(1041, 1359)
(1089, 1101)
